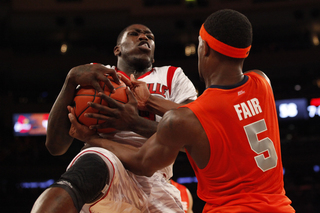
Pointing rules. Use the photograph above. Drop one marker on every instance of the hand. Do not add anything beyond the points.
(141, 92)
(116, 115)
(77, 130)
(91, 75)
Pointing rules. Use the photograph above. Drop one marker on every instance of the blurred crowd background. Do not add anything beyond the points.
(41, 40)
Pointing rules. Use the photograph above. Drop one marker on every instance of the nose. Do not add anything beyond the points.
(143, 36)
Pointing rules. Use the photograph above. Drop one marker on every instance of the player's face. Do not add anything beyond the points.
(137, 45)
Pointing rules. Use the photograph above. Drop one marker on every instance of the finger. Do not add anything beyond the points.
(72, 119)
(131, 98)
(72, 111)
(97, 86)
(132, 78)
(101, 126)
(103, 109)
(97, 116)
(69, 108)
(125, 80)
(115, 76)
(110, 101)
(103, 76)
(74, 123)
(111, 72)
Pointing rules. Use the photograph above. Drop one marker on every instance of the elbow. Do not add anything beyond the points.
(53, 149)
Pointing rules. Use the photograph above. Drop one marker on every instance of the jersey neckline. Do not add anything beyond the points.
(244, 80)
(143, 75)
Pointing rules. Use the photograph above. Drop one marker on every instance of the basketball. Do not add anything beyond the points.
(89, 94)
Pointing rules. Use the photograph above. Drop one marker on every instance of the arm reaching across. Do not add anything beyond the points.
(179, 128)
(150, 103)
(125, 116)
(58, 140)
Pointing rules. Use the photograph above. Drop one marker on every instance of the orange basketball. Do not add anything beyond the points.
(88, 94)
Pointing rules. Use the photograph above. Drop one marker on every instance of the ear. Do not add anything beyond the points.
(206, 48)
(153, 60)
(116, 51)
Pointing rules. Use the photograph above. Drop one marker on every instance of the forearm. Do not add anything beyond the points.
(58, 139)
(160, 106)
(144, 127)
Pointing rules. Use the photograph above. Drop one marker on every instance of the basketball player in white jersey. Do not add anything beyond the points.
(96, 181)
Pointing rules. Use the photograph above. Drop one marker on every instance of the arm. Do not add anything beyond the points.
(125, 116)
(148, 102)
(190, 199)
(54, 200)
(176, 130)
(121, 116)
(160, 106)
(58, 139)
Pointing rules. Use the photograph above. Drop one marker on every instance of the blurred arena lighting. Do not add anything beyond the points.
(33, 185)
(315, 39)
(316, 168)
(297, 87)
(318, 82)
(190, 49)
(183, 180)
(64, 48)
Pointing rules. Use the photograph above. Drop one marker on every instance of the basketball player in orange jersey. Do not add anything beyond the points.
(230, 133)
(186, 197)
(95, 180)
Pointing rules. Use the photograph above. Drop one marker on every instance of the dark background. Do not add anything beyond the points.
(33, 70)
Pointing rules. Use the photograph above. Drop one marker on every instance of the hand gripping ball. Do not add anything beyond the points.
(88, 94)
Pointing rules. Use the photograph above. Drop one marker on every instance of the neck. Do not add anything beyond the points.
(129, 69)
(224, 74)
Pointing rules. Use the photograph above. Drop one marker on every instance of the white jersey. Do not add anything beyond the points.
(127, 192)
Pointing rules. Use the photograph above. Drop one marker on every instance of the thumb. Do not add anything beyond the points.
(131, 98)
(132, 78)
(71, 118)
(125, 80)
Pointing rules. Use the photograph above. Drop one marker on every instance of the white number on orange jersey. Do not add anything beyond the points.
(259, 146)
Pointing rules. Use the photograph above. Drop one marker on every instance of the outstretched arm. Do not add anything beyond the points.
(148, 102)
(178, 128)
(155, 154)
(58, 139)
(125, 116)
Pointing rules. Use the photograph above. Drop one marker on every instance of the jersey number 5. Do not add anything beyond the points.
(259, 146)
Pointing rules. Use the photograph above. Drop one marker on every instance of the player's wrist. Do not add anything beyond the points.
(70, 80)
(145, 127)
(149, 102)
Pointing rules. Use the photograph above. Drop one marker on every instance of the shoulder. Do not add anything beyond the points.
(259, 73)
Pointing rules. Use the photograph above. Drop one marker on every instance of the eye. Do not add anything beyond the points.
(151, 37)
(133, 33)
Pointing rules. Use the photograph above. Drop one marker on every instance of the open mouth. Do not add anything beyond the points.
(144, 44)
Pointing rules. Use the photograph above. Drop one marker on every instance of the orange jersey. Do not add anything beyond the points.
(244, 173)
(183, 193)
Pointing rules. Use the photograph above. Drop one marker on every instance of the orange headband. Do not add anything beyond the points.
(223, 48)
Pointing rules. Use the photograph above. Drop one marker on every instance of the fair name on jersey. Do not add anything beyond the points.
(248, 108)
